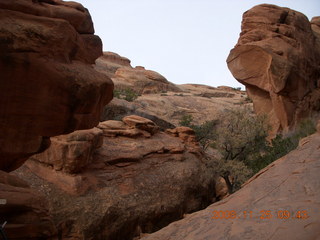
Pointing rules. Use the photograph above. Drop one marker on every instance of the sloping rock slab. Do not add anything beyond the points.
(282, 201)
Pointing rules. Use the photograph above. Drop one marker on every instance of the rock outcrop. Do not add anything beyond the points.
(48, 86)
(277, 58)
(279, 202)
(139, 180)
(138, 79)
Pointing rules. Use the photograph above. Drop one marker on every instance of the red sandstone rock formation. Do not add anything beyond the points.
(279, 202)
(277, 58)
(47, 85)
(139, 180)
(139, 79)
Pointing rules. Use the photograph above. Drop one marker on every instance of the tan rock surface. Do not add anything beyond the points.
(73, 152)
(135, 183)
(204, 103)
(109, 62)
(277, 58)
(289, 184)
(139, 79)
(47, 85)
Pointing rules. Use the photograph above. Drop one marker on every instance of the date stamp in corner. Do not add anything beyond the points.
(3, 201)
(263, 214)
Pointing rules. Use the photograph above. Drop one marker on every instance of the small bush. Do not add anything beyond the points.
(186, 121)
(205, 133)
(282, 145)
(126, 94)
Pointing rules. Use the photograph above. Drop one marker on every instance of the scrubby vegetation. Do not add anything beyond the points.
(126, 94)
(205, 133)
(283, 144)
(241, 138)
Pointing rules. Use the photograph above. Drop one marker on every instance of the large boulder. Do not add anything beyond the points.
(277, 58)
(279, 202)
(48, 86)
(139, 180)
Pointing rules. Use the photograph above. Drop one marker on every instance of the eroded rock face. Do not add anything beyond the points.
(47, 86)
(289, 184)
(139, 79)
(73, 152)
(139, 180)
(277, 58)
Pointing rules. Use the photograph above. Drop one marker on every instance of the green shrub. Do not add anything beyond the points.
(205, 133)
(282, 145)
(241, 134)
(126, 94)
(186, 121)
(240, 137)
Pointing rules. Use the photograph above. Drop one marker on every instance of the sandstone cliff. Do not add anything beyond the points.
(279, 202)
(121, 179)
(48, 87)
(277, 58)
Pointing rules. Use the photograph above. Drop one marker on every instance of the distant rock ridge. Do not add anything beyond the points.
(277, 58)
(138, 79)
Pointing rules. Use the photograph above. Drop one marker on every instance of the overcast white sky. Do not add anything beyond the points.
(187, 41)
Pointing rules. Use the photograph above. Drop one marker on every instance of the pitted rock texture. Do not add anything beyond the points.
(25, 210)
(277, 58)
(139, 79)
(48, 86)
(288, 184)
(139, 180)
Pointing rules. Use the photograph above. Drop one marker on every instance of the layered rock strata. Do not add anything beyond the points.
(139, 179)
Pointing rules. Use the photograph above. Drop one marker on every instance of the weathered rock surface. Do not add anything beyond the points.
(109, 62)
(289, 184)
(203, 103)
(24, 210)
(277, 58)
(119, 108)
(47, 85)
(138, 79)
(73, 152)
(139, 180)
